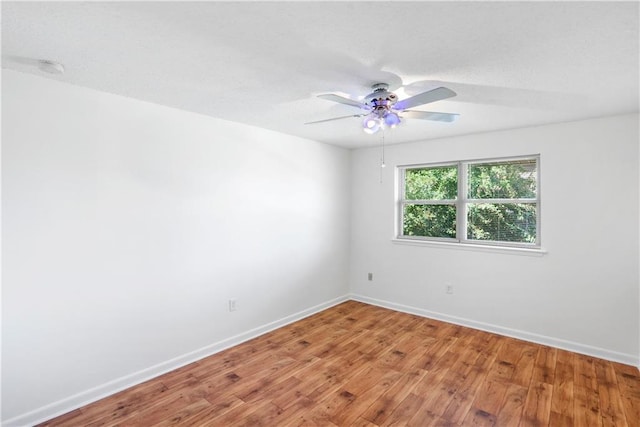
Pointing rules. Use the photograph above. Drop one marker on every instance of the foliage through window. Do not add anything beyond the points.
(488, 201)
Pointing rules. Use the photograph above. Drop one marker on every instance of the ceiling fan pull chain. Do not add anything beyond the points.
(382, 164)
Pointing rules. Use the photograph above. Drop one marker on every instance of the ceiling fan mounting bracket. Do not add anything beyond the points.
(379, 87)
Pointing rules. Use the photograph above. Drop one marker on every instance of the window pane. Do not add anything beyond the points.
(503, 180)
(509, 222)
(429, 221)
(440, 183)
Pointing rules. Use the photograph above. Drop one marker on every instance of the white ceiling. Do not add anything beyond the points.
(512, 64)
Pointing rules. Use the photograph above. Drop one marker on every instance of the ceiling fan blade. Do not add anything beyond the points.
(336, 118)
(425, 98)
(342, 100)
(430, 115)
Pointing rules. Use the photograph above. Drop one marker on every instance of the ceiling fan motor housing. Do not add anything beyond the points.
(381, 100)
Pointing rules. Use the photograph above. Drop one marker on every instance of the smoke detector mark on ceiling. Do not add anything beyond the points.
(50, 67)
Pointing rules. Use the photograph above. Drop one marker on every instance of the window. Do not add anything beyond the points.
(492, 202)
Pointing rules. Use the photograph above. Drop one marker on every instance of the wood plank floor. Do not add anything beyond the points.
(361, 365)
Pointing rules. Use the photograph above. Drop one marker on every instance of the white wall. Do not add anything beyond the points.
(127, 226)
(581, 295)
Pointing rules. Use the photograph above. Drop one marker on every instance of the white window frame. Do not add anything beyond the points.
(462, 202)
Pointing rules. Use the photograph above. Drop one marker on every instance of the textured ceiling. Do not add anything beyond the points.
(512, 64)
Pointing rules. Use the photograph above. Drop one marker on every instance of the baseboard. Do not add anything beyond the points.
(89, 396)
(627, 359)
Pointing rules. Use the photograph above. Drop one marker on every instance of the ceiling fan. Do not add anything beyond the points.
(382, 108)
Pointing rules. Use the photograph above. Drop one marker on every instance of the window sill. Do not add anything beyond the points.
(471, 247)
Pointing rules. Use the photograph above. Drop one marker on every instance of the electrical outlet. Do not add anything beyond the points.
(370, 277)
(449, 289)
(233, 305)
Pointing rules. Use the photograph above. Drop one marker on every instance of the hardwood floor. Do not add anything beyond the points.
(360, 365)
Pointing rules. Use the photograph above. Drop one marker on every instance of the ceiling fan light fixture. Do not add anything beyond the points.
(371, 124)
(391, 119)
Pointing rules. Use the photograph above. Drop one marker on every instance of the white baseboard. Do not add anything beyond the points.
(88, 396)
(627, 359)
